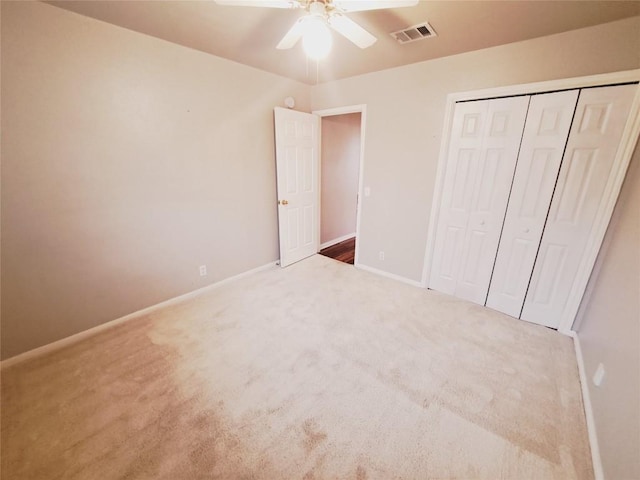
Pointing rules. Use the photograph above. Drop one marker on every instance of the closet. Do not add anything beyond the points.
(524, 181)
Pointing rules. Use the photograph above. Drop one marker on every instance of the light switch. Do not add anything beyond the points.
(367, 191)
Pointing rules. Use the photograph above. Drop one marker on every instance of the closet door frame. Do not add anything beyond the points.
(621, 162)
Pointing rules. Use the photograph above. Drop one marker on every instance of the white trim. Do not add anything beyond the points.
(362, 109)
(598, 472)
(392, 276)
(625, 151)
(363, 124)
(77, 337)
(318, 233)
(627, 76)
(335, 241)
(331, 112)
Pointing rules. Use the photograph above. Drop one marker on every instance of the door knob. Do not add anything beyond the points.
(283, 202)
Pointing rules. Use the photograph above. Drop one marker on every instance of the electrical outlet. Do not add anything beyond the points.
(598, 377)
(203, 270)
(381, 255)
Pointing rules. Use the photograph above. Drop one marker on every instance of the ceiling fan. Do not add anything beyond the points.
(321, 15)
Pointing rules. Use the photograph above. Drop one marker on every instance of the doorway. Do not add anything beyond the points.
(341, 153)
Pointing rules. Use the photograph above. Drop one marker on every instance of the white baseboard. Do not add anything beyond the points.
(337, 240)
(598, 472)
(392, 276)
(64, 342)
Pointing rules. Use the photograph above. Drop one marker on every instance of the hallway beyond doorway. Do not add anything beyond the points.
(343, 251)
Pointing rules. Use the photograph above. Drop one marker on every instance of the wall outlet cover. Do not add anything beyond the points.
(598, 377)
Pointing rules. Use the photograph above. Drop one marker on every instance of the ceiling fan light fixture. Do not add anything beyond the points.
(316, 39)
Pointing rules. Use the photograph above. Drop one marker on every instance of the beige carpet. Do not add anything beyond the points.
(317, 371)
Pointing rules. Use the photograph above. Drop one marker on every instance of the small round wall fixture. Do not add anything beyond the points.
(289, 102)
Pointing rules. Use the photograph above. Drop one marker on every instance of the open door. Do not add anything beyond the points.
(297, 147)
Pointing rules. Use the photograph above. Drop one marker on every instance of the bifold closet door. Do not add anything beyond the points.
(483, 149)
(595, 136)
(543, 142)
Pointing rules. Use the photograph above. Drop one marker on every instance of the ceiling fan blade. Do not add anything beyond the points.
(362, 5)
(260, 3)
(351, 30)
(292, 36)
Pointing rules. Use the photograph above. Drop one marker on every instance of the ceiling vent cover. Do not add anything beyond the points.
(412, 34)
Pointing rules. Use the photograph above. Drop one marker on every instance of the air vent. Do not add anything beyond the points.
(417, 32)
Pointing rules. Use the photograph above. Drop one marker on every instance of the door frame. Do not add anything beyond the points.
(621, 162)
(331, 112)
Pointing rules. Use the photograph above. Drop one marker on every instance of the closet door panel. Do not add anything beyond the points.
(543, 142)
(489, 195)
(593, 142)
(464, 155)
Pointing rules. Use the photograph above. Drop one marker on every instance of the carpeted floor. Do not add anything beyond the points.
(317, 371)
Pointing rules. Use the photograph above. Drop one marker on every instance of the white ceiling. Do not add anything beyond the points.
(249, 35)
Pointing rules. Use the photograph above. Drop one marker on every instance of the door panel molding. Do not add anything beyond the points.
(543, 144)
(466, 148)
(297, 151)
(490, 194)
(485, 140)
(601, 116)
(621, 162)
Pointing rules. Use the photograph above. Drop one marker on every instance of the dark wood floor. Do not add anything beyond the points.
(343, 251)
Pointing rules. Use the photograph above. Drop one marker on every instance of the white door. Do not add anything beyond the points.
(545, 136)
(465, 144)
(483, 150)
(586, 169)
(297, 146)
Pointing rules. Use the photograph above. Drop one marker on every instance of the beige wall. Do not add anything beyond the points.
(609, 332)
(340, 165)
(405, 112)
(127, 162)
